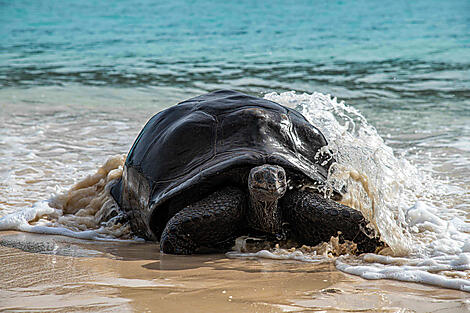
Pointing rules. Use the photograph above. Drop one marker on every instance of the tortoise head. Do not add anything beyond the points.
(267, 183)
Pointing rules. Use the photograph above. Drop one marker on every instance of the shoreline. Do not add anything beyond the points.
(42, 272)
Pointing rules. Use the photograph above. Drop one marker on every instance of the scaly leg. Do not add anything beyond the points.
(314, 219)
(211, 222)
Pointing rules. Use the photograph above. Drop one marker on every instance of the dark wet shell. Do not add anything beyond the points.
(193, 143)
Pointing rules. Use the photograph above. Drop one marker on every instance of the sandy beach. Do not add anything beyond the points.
(59, 274)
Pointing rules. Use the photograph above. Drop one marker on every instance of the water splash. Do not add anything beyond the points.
(85, 211)
(401, 202)
(378, 184)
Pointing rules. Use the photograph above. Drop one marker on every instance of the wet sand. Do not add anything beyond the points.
(60, 274)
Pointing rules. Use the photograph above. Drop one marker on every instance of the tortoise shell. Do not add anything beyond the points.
(185, 152)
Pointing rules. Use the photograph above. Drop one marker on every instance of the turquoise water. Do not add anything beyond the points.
(405, 65)
(352, 49)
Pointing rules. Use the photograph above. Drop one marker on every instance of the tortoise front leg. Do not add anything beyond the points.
(314, 219)
(211, 222)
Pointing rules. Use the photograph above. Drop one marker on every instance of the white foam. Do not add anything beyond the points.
(279, 254)
(441, 260)
(419, 273)
(20, 219)
(23, 219)
(429, 242)
(77, 212)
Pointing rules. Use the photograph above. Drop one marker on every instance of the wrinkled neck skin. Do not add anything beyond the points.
(266, 184)
(265, 215)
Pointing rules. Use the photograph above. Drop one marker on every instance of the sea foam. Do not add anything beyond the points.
(80, 212)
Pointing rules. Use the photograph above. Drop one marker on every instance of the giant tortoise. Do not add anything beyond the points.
(224, 164)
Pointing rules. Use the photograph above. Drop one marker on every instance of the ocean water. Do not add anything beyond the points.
(78, 80)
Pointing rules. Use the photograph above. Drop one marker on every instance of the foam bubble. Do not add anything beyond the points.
(248, 247)
(20, 219)
(446, 275)
(82, 212)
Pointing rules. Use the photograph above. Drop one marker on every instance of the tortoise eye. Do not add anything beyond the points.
(280, 175)
(258, 177)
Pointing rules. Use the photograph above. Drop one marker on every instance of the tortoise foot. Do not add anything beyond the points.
(315, 219)
(209, 223)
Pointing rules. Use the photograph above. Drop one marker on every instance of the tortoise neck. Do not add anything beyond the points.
(264, 215)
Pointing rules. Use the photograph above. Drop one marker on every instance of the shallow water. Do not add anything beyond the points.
(428, 237)
(79, 80)
(70, 275)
